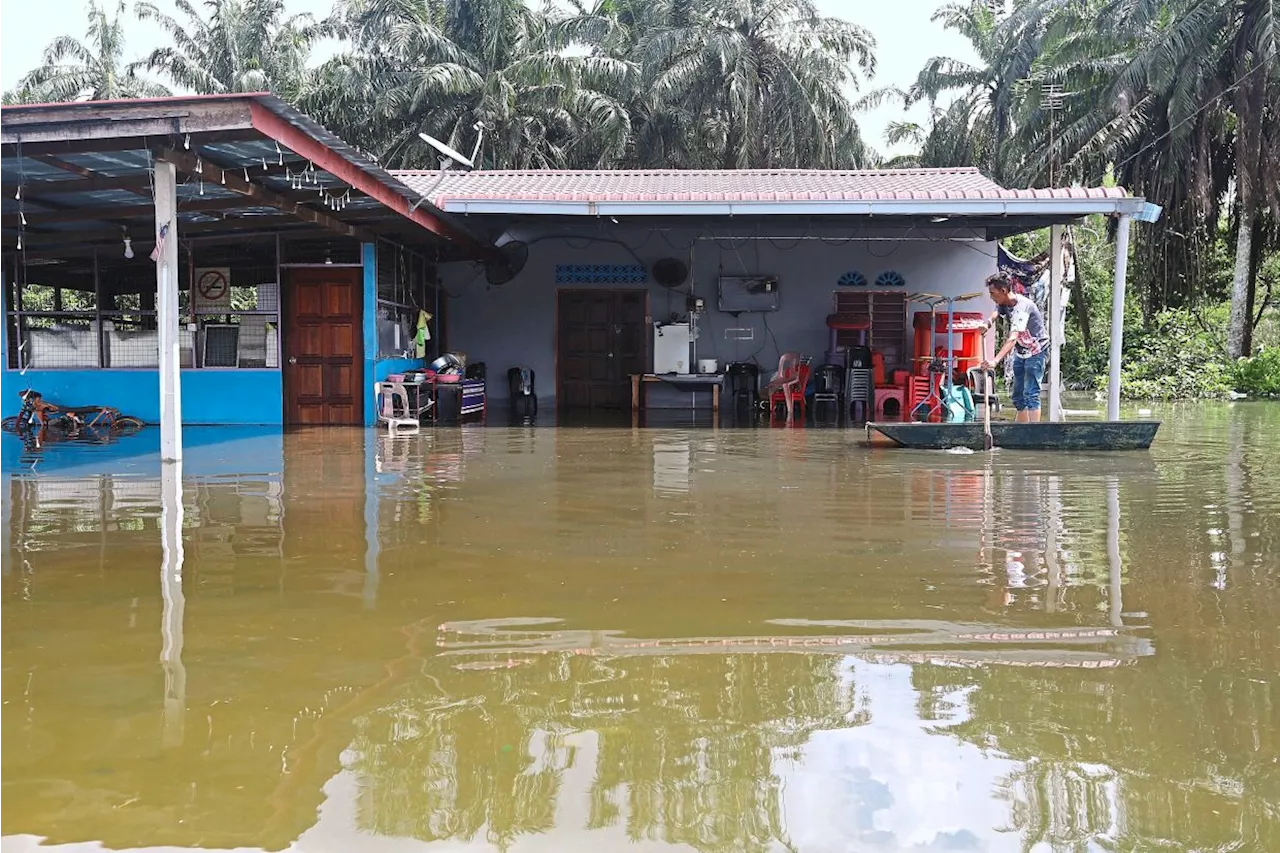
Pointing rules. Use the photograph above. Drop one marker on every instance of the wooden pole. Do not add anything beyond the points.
(1117, 318)
(167, 319)
(1055, 320)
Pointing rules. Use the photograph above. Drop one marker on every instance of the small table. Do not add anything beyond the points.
(693, 380)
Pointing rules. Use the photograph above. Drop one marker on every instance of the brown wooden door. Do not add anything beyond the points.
(601, 342)
(324, 355)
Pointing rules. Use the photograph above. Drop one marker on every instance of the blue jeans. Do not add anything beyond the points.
(1027, 373)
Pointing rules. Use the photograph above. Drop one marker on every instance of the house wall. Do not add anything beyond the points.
(209, 396)
(515, 324)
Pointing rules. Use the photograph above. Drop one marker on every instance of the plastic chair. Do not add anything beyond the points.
(859, 392)
(392, 400)
(976, 385)
(828, 388)
(788, 385)
(890, 403)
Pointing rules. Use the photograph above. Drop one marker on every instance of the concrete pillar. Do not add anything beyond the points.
(167, 320)
(1117, 318)
(1057, 315)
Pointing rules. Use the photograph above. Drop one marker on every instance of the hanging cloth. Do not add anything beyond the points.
(423, 335)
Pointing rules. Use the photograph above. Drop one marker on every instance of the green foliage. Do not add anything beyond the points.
(1259, 376)
(1176, 358)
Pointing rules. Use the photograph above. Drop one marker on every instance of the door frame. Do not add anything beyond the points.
(288, 328)
(646, 333)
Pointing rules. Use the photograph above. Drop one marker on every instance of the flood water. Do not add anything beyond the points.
(577, 639)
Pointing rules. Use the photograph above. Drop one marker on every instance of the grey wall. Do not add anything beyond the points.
(515, 324)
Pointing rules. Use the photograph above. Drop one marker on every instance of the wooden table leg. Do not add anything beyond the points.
(715, 399)
(635, 392)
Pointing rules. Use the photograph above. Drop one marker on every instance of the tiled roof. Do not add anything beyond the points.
(730, 185)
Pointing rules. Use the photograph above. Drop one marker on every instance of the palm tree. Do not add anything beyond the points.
(444, 66)
(243, 46)
(93, 69)
(759, 84)
(984, 125)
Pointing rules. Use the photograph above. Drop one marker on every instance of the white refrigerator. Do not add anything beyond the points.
(671, 344)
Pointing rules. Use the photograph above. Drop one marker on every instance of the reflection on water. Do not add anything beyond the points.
(581, 639)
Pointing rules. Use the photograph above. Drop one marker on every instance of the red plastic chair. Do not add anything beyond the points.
(788, 387)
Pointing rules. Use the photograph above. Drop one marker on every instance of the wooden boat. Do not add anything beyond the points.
(1062, 435)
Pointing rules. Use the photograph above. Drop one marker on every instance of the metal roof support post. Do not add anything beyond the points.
(1057, 318)
(167, 318)
(1117, 317)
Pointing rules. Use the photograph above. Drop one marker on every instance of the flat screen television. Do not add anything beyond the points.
(741, 294)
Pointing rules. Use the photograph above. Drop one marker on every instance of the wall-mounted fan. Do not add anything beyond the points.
(890, 278)
(852, 278)
(670, 272)
(506, 262)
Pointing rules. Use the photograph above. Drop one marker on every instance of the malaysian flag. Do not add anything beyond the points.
(159, 249)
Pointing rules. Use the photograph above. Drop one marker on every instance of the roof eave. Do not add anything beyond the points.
(1037, 207)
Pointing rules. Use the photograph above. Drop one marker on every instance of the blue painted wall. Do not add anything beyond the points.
(369, 256)
(214, 397)
(208, 396)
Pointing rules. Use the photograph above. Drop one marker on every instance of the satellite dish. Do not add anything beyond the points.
(506, 263)
(456, 157)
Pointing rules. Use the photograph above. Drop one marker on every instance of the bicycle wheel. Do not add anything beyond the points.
(126, 425)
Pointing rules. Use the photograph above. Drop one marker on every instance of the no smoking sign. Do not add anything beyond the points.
(213, 288)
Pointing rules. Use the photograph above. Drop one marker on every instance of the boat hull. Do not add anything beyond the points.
(1074, 436)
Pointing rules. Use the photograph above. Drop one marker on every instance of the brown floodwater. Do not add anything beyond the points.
(582, 639)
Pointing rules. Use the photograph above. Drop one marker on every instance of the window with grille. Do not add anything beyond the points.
(84, 312)
(406, 285)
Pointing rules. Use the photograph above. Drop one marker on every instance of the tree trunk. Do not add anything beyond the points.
(1255, 263)
(1078, 296)
(1240, 317)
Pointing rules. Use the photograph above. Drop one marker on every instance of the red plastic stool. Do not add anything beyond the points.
(886, 395)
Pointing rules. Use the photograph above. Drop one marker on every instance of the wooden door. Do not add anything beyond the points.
(324, 351)
(601, 341)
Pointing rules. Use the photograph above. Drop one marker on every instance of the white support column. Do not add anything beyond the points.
(1117, 318)
(1057, 315)
(167, 319)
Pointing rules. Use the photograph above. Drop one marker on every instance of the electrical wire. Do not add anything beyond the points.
(1197, 112)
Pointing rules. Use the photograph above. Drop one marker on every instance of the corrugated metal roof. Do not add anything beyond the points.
(739, 185)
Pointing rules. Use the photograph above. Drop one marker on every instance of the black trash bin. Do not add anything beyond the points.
(524, 393)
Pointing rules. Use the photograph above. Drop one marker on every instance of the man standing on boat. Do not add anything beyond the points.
(1028, 341)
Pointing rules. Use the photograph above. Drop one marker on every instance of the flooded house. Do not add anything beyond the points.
(298, 264)
(303, 270)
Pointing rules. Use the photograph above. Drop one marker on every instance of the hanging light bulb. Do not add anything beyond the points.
(186, 143)
(246, 174)
(128, 248)
(279, 154)
(224, 177)
(264, 164)
(19, 242)
(202, 188)
(199, 164)
(18, 194)
(23, 216)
